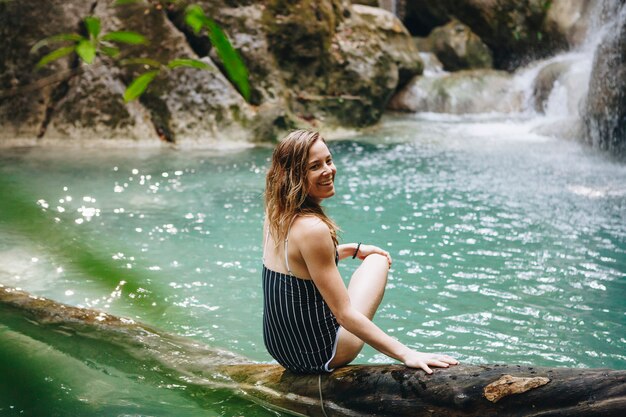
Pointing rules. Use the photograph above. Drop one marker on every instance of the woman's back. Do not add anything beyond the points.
(299, 329)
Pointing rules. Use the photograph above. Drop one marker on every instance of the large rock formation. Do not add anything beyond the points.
(322, 64)
(93, 106)
(457, 47)
(516, 31)
(26, 95)
(605, 110)
(187, 106)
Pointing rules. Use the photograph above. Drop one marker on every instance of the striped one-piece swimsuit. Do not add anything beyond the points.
(299, 329)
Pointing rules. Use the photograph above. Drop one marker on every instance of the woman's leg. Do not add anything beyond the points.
(366, 290)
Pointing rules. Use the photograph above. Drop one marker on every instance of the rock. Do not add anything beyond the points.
(370, 55)
(299, 35)
(513, 30)
(26, 95)
(605, 109)
(463, 92)
(571, 18)
(457, 47)
(432, 65)
(371, 3)
(245, 28)
(322, 64)
(188, 106)
(94, 107)
(311, 58)
(544, 82)
(396, 40)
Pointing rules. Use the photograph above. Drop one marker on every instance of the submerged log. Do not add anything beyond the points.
(380, 390)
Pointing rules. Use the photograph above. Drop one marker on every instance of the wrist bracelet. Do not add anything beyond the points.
(356, 252)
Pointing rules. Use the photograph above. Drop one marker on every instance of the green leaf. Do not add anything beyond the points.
(110, 51)
(56, 54)
(139, 85)
(235, 68)
(123, 2)
(141, 61)
(62, 37)
(86, 51)
(194, 17)
(93, 26)
(187, 62)
(131, 38)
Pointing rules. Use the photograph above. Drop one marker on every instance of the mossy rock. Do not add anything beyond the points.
(457, 47)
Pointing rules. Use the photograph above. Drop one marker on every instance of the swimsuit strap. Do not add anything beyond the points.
(287, 247)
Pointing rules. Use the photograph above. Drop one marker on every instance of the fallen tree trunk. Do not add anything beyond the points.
(384, 390)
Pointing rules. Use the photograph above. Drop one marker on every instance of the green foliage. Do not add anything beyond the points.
(86, 50)
(235, 68)
(191, 63)
(147, 62)
(54, 55)
(89, 48)
(93, 26)
(130, 38)
(139, 85)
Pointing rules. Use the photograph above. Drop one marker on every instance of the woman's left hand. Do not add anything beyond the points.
(367, 250)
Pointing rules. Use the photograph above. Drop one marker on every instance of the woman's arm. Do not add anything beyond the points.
(348, 250)
(317, 249)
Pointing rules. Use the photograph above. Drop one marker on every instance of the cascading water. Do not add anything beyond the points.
(561, 96)
(605, 108)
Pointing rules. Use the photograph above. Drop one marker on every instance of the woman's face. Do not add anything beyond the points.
(320, 172)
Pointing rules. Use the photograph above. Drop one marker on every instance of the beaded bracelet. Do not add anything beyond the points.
(356, 252)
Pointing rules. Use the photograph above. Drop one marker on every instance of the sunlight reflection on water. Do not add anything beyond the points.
(507, 248)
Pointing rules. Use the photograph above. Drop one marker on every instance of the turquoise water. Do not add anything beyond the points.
(508, 247)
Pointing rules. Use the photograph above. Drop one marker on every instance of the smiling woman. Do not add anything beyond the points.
(312, 323)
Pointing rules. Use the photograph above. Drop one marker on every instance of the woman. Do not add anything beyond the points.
(311, 322)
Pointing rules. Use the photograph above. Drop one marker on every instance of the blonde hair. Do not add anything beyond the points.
(287, 188)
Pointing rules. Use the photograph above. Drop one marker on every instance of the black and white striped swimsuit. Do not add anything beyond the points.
(299, 330)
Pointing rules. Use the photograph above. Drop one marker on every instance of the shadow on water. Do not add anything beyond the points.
(62, 360)
(59, 371)
(18, 213)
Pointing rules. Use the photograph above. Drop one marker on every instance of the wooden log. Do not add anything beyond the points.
(357, 390)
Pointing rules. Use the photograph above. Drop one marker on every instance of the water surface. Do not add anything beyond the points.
(508, 247)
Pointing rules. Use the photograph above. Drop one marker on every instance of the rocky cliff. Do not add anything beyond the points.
(322, 64)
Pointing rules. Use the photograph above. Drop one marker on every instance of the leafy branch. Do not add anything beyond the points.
(89, 47)
(141, 83)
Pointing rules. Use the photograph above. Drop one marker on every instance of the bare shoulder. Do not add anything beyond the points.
(311, 227)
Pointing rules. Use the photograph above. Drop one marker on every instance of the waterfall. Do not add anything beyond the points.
(562, 96)
(605, 109)
(568, 91)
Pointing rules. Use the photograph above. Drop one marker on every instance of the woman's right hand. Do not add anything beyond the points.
(422, 360)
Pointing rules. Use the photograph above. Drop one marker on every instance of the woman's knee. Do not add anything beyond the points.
(377, 260)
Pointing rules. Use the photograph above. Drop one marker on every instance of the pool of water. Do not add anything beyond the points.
(508, 247)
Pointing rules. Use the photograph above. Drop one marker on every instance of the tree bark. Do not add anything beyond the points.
(358, 390)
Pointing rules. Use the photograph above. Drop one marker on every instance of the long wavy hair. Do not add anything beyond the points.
(287, 188)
